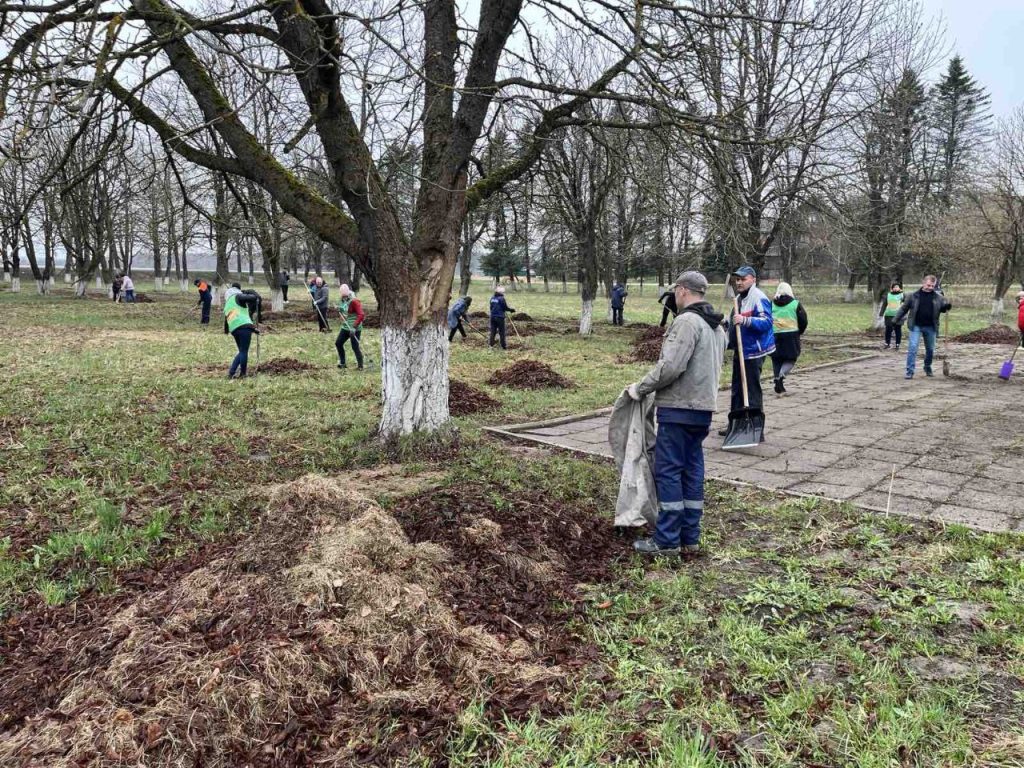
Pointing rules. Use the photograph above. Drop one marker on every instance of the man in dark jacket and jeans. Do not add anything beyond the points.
(618, 297)
(685, 381)
(498, 311)
(921, 310)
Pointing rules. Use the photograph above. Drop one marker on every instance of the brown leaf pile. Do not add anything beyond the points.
(647, 345)
(529, 374)
(464, 399)
(284, 365)
(994, 334)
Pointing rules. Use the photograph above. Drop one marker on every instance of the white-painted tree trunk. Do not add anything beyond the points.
(7, 277)
(252, 279)
(276, 300)
(217, 295)
(51, 281)
(99, 281)
(848, 295)
(158, 283)
(110, 291)
(80, 288)
(41, 287)
(879, 319)
(67, 277)
(414, 379)
(997, 310)
(15, 285)
(610, 316)
(587, 318)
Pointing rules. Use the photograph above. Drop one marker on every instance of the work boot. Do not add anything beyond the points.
(690, 551)
(929, 374)
(909, 376)
(780, 388)
(887, 346)
(652, 548)
(342, 365)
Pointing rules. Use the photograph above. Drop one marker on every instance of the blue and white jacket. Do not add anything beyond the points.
(759, 334)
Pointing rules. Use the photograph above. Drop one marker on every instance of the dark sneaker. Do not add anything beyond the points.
(887, 346)
(929, 374)
(690, 551)
(651, 547)
(342, 365)
(778, 387)
(629, 531)
(723, 432)
(909, 376)
(360, 368)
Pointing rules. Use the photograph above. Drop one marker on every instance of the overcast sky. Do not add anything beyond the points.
(989, 35)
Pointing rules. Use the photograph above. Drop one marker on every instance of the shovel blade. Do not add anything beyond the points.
(1006, 371)
(746, 430)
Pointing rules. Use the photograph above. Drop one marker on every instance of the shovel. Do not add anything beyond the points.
(1007, 370)
(746, 426)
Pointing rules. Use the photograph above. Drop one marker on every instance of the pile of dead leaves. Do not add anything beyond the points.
(646, 346)
(464, 399)
(285, 365)
(529, 374)
(336, 633)
(994, 334)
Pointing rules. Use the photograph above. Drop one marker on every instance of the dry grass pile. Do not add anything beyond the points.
(284, 365)
(278, 653)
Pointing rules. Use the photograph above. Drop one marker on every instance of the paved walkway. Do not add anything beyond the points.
(955, 443)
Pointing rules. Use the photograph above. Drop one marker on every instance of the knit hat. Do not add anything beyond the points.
(500, 289)
(783, 289)
(694, 281)
(344, 290)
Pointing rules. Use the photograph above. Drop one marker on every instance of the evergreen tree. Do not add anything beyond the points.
(960, 121)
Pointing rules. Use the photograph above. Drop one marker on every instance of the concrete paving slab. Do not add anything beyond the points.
(841, 428)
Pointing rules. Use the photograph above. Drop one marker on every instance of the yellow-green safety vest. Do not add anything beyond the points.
(236, 314)
(892, 304)
(784, 318)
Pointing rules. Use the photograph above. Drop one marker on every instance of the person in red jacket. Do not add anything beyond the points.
(1020, 316)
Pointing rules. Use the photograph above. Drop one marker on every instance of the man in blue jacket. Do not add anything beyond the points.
(755, 320)
(456, 314)
(498, 311)
(619, 295)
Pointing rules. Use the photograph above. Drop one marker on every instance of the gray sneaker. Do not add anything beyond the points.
(650, 547)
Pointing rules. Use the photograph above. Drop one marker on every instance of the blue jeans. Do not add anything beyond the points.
(129, 296)
(679, 477)
(929, 348)
(243, 337)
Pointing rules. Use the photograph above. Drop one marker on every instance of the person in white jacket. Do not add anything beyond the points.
(685, 383)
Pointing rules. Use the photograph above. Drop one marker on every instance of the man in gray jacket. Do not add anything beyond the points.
(318, 291)
(685, 383)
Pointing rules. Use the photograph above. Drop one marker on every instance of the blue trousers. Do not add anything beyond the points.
(243, 337)
(929, 348)
(679, 477)
(207, 300)
(497, 327)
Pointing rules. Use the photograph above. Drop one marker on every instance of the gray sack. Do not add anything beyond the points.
(631, 433)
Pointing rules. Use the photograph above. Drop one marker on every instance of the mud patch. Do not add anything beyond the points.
(464, 399)
(529, 374)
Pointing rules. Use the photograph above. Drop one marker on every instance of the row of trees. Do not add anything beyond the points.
(595, 140)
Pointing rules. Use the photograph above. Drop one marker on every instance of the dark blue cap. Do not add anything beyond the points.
(745, 271)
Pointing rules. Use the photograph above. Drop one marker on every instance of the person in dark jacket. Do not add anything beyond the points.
(319, 293)
(456, 314)
(205, 300)
(669, 308)
(283, 282)
(888, 311)
(618, 299)
(240, 309)
(115, 288)
(921, 310)
(499, 308)
(789, 321)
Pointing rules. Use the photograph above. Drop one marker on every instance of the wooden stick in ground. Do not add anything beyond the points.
(739, 351)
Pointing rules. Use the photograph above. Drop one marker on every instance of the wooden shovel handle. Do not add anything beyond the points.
(739, 351)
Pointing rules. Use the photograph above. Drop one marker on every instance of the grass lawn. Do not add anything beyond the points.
(813, 635)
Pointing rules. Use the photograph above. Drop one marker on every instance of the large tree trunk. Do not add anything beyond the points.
(414, 378)
(850, 286)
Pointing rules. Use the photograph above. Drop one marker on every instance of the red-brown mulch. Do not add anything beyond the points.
(529, 374)
(994, 334)
(464, 399)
